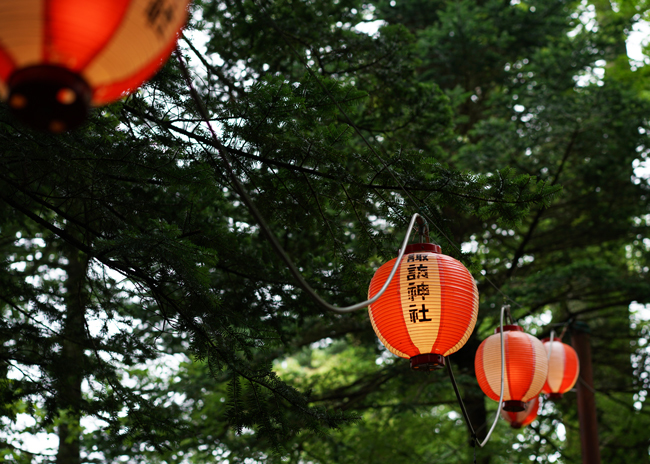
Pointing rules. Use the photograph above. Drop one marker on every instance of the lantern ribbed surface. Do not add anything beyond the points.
(112, 46)
(523, 418)
(563, 369)
(525, 370)
(430, 306)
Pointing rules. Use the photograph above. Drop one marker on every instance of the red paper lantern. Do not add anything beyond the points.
(523, 418)
(525, 367)
(57, 57)
(563, 369)
(428, 310)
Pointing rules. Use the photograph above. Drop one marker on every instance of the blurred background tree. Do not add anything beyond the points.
(146, 318)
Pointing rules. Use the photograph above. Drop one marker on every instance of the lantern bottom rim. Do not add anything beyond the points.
(554, 396)
(427, 362)
(514, 406)
(49, 98)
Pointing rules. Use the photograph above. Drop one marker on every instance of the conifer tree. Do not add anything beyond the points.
(127, 244)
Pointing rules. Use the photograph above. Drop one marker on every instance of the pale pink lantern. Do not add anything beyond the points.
(563, 368)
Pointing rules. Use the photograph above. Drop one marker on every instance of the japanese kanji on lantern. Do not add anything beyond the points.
(57, 57)
(525, 367)
(428, 310)
(563, 368)
(523, 418)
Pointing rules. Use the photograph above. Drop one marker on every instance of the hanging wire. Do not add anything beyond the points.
(468, 422)
(503, 364)
(472, 431)
(262, 222)
(564, 329)
(550, 346)
(347, 118)
(423, 231)
(509, 314)
(296, 273)
(421, 218)
(253, 209)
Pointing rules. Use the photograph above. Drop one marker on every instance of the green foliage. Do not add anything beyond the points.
(137, 290)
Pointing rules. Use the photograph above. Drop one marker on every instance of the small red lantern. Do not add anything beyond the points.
(57, 57)
(523, 418)
(563, 369)
(525, 367)
(428, 310)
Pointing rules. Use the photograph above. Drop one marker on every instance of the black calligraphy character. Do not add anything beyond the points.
(417, 257)
(424, 312)
(422, 290)
(410, 272)
(159, 15)
(154, 9)
(423, 271)
(413, 313)
(412, 291)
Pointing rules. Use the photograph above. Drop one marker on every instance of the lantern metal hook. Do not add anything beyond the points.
(475, 440)
(550, 345)
(504, 308)
(423, 229)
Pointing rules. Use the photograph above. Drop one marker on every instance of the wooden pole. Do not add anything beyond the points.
(586, 399)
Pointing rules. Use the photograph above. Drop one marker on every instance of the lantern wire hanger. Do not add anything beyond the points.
(550, 346)
(552, 336)
(261, 221)
(423, 228)
(239, 188)
(271, 21)
(468, 422)
(504, 308)
(509, 314)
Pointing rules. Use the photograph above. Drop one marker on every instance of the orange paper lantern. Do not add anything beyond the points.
(525, 367)
(57, 57)
(563, 369)
(523, 418)
(428, 310)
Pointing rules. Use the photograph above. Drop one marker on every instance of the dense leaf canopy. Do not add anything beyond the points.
(147, 318)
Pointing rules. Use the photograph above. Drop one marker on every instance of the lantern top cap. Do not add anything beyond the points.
(422, 247)
(508, 328)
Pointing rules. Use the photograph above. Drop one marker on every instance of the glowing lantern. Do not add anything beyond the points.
(523, 418)
(563, 369)
(57, 57)
(525, 367)
(428, 310)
